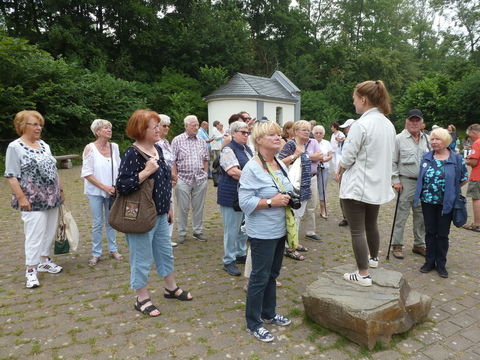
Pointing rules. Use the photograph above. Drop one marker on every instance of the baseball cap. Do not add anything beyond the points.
(415, 113)
(347, 123)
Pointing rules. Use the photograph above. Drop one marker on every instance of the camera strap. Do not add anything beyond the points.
(276, 180)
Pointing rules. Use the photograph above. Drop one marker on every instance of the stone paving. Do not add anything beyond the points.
(87, 313)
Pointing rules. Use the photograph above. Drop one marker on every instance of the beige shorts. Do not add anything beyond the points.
(473, 190)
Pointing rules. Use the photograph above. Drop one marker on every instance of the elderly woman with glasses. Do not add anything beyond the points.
(169, 158)
(307, 151)
(233, 158)
(155, 245)
(32, 175)
(262, 198)
(101, 159)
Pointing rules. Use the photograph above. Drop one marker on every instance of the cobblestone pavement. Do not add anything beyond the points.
(87, 313)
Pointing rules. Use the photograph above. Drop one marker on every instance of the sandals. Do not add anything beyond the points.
(302, 248)
(183, 296)
(472, 227)
(147, 310)
(293, 254)
(93, 261)
(116, 255)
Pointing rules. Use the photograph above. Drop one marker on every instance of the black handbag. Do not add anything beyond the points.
(459, 214)
(114, 196)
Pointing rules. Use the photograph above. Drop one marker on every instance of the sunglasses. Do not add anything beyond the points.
(244, 132)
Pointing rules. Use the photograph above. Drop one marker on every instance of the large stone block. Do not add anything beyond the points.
(365, 315)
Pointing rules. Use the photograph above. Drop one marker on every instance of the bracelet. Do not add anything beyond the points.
(293, 158)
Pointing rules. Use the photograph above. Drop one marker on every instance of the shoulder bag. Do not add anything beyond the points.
(135, 213)
(460, 214)
(114, 196)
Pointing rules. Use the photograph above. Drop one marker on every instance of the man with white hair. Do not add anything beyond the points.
(190, 171)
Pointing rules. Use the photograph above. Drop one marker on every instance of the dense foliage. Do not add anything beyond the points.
(87, 59)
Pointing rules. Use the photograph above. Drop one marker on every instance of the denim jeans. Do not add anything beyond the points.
(437, 229)
(234, 240)
(100, 211)
(146, 248)
(267, 256)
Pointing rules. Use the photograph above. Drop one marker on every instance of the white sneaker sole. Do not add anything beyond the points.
(346, 277)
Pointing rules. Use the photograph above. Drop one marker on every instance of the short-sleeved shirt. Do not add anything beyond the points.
(325, 148)
(433, 187)
(167, 151)
(288, 150)
(128, 181)
(36, 172)
(228, 158)
(202, 134)
(190, 153)
(475, 154)
(256, 184)
(94, 163)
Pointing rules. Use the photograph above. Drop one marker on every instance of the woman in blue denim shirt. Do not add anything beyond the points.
(442, 174)
(265, 222)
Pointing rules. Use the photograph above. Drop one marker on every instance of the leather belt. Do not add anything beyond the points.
(409, 177)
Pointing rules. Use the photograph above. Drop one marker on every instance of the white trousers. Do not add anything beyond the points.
(39, 228)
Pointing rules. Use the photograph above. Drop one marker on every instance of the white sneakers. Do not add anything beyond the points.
(356, 278)
(48, 267)
(373, 262)
(32, 280)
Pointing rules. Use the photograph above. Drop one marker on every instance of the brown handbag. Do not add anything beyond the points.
(135, 213)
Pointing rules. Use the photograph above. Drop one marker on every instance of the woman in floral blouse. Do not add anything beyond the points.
(442, 174)
(32, 175)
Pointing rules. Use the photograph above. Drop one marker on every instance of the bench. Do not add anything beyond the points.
(66, 160)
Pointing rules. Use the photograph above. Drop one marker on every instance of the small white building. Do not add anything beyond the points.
(276, 97)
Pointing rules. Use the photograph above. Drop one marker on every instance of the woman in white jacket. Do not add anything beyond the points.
(366, 181)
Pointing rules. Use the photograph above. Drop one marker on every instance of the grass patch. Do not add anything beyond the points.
(295, 312)
(151, 349)
(202, 340)
(35, 348)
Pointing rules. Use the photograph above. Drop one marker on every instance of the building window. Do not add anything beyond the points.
(279, 115)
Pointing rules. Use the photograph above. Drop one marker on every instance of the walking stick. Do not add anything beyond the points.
(393, 227)
(323, 188)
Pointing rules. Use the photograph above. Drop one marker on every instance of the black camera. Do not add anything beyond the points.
(294, 201)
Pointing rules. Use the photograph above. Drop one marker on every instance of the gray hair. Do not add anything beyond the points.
(237, 125)
(473, 127)
(188, 119)
(319, 127)
(97, 124)
(164, 119)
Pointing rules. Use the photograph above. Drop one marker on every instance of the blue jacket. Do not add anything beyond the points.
(452, 179)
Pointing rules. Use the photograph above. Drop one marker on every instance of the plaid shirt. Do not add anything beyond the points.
(189, 156)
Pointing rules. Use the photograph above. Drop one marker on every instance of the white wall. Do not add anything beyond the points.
(222, 109)
(288, 111)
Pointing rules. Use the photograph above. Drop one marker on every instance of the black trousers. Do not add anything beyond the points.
(437, 229)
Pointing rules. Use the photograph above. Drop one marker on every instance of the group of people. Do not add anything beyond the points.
(262, 207)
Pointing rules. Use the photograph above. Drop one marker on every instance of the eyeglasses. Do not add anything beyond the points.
(166, 126)
(34, 125)
(246, 118)
(244, 132)
(156, 127)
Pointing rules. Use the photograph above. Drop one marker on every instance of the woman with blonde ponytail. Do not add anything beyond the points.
(366, 181)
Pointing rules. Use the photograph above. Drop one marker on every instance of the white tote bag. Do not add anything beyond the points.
(295, 173)
(71, 228)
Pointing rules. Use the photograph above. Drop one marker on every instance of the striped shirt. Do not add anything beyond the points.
(189, 154)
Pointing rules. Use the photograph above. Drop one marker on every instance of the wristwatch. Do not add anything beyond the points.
(269, 203)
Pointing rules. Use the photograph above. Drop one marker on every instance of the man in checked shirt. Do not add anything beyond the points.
(190, 174)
